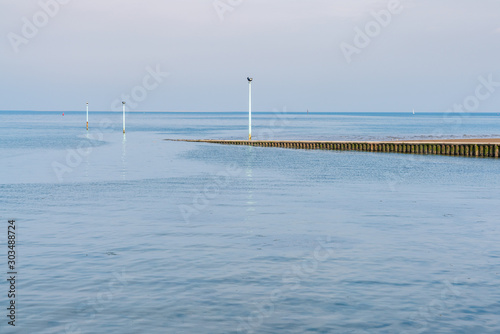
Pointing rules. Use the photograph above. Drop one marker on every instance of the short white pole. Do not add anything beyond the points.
(249, 108)
(123, 117)
(87, 116)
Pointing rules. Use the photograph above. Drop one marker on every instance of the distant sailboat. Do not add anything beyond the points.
(413, 111)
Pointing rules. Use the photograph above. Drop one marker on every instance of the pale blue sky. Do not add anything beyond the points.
(428, 57)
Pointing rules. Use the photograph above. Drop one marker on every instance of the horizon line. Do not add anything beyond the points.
(245, 111)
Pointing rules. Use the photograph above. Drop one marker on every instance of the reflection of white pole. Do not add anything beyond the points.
(87, 116)
(249, 108)
(123, 117)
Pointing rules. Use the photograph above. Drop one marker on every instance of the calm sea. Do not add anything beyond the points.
(135, 234)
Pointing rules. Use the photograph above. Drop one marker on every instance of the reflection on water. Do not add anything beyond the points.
(124, 157)
(249, 179)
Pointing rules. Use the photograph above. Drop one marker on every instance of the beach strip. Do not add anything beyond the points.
(479, 148)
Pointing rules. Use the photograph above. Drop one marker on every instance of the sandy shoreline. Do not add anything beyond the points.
(467, 147)
(412, 141)
(453, 141)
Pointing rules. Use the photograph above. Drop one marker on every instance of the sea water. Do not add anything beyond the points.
(135, 234)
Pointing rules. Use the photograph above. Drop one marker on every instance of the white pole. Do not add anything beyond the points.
(249, 108)
(123, 117)
(87, 116)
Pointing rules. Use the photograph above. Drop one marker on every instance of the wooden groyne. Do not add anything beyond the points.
(486, 148)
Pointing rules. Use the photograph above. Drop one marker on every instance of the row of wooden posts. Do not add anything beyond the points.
(466, 150)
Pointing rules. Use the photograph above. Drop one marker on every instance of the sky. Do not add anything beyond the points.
(316, 55)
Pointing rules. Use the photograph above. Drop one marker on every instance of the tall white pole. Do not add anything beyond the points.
(249, 108)
(123, 117)
(87, 116)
